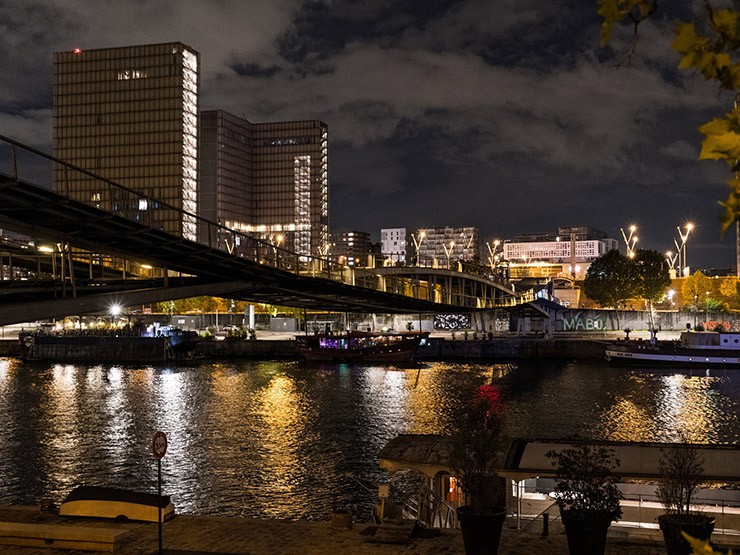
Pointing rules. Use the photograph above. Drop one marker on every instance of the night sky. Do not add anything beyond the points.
(500, 114)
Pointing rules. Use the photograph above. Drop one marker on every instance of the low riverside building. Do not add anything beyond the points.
(565, 253)
(531, 477)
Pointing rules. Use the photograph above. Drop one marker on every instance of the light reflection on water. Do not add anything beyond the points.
(288, 440)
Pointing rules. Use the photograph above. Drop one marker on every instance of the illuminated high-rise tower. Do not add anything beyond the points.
(130, 114)
(267, 179)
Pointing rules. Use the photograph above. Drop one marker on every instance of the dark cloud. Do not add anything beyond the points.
(502, 114)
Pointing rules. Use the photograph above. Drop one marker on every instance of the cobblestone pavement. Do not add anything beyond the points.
(191, 534)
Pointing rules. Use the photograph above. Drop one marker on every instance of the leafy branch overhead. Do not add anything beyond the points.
(707, 45)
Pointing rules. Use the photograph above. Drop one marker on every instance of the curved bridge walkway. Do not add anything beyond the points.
(124, 223)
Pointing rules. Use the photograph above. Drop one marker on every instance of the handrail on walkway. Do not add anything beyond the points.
(20, 162)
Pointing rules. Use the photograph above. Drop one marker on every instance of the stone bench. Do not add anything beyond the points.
(61, 536)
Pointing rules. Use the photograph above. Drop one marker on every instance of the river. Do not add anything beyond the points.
(285, 439)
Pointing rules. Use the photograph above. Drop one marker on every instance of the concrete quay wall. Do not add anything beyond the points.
(436, 349)
(510, 348)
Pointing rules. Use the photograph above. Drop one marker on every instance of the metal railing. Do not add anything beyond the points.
(23, 163)
(434, 511)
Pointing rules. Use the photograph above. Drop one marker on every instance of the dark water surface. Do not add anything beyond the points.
(287, 439)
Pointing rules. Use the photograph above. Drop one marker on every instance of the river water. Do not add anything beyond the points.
(279, 439)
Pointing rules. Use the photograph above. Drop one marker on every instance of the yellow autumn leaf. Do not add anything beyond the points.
(686, 39)
(614, 11)
(721, 147)
(731, 206)
(726, 22)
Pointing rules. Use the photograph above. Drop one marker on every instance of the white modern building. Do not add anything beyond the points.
(394, 245)
(566, 253)
(444, 246)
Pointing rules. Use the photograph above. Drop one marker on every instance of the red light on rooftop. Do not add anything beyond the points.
(77, 51)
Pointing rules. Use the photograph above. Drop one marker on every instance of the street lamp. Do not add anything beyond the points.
(449, 252)
(493, 253)
(684, 267)
(670, 258)
(630, 240)
(417, 244)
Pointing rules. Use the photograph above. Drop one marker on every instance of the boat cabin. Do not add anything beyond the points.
(710, 340)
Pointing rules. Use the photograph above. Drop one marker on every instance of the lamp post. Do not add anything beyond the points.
(493, 257)
(276, 242)
(630, 240)
(417, 243)
(449, 252)
(684, 237)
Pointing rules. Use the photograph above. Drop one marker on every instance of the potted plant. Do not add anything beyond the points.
(476, 450)
(587, 495)
(681, 468)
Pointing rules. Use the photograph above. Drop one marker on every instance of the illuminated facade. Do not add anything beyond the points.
(130, 114)
(351, 248)
(439, 246)
(568, 252)
(267, 179)
(394, 244)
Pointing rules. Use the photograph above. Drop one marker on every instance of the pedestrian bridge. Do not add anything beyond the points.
(123, 228)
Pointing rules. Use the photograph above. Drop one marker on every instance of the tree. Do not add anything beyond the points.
(706, 44)
(652, 278)
(610, 280)
(729, 289)
(695, 287)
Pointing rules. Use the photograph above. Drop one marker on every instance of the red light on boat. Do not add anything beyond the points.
(77, 51)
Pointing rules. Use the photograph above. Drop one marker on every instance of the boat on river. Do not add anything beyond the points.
(119, 504)
(695, 348)
(359, 346)
(112, 347)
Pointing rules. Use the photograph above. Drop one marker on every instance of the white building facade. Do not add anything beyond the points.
(567, 253)
(394, 245)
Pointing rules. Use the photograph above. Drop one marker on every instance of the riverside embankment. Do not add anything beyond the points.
(437, 348)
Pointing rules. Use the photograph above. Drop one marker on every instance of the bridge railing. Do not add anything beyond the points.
(146, 206)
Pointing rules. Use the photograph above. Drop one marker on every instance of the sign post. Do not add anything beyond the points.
(159, 448)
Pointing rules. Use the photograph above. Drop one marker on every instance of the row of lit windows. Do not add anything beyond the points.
(121, 168)
(72, 116)
(90, 62)
(63, 134)
(129, 130)
(118, 102)
(285, 207)
(285, 126)
(262, 157)
(117, 53)
(89, 94)
(157, 150)
(110, 81)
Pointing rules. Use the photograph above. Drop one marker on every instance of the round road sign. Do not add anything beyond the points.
(159, 445)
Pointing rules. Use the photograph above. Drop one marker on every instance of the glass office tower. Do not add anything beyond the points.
(130, 114)
(267, 179)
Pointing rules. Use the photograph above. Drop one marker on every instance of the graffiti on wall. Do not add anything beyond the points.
(580, 321)
(451, 321)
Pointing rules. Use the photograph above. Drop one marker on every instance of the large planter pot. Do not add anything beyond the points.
(696, 526)
(586, 531)
(481, 532)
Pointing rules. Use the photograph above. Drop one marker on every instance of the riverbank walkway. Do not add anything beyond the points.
(193, 534)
